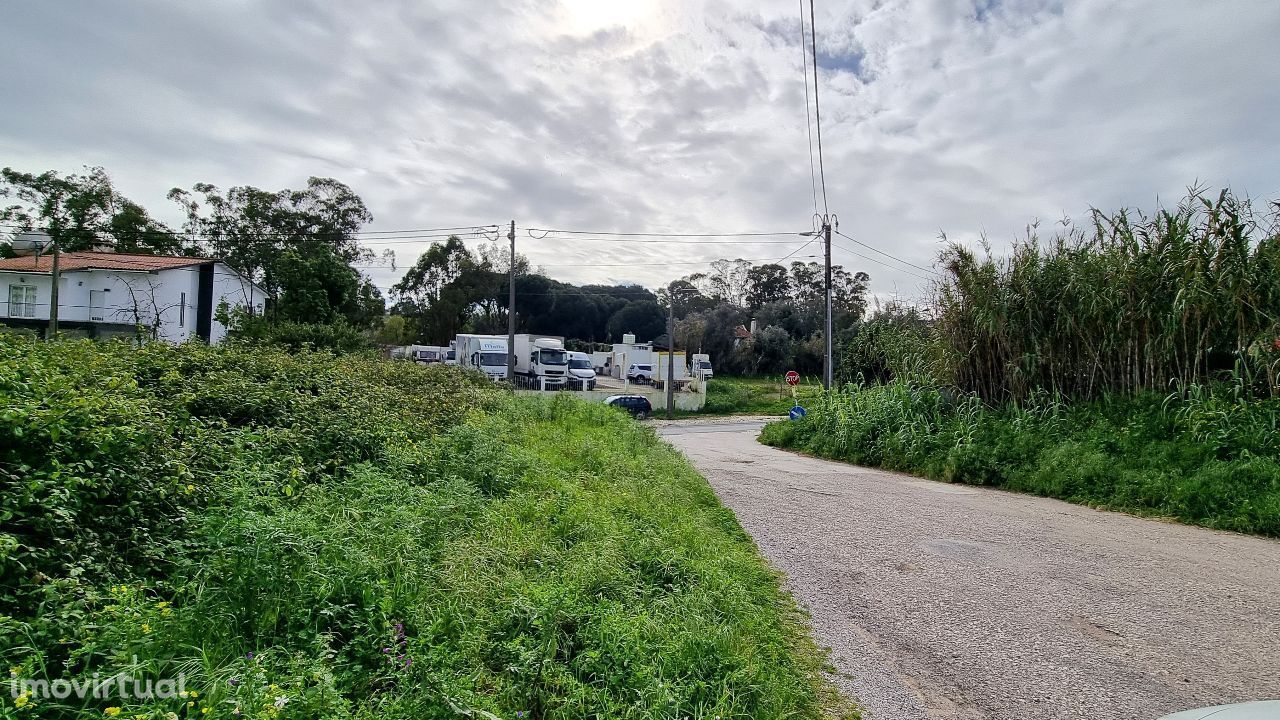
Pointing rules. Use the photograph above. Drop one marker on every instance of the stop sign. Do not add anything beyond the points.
(793, 377)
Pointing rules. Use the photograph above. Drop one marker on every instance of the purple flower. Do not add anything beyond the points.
(248, 656)
(233, 682)
(406, 662)
(386, 650)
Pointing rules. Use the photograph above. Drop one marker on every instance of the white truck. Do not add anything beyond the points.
(543, 359)
(486, 353)
(580, 367)
(700, 366)
(679, 370)
(425, 354)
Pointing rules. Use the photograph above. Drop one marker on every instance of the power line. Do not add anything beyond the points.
(659, 264)
(358, 234)
(893, 257)
(804, 75)
(812, 240)
(868, 258)
(817, 112)
(678, 241)
(656, 234)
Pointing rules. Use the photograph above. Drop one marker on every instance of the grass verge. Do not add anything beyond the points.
(755, 396)
(1211, 457)
(308, 536)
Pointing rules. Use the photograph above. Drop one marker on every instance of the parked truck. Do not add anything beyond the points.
(486, 353)
(678, 367)
(425, 354)
(542, 358)
(700, 366)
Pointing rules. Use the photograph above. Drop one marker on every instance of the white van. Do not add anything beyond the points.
(581, 368)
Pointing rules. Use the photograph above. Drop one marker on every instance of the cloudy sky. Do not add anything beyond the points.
(680, 116)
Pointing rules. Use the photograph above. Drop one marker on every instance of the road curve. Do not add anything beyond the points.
(949, 601)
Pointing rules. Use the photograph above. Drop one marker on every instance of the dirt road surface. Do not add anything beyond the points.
(949, 601)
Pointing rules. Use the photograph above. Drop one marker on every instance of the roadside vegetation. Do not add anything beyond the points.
(756, 396)
(1131, 366)
(303, 535)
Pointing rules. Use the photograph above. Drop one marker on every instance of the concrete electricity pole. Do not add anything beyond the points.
(671, 350)
(55, 276)
(827, 366)
(511, 308)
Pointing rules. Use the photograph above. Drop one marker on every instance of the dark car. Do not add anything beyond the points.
(637, 405)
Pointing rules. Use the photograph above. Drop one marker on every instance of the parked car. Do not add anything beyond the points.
(637, 405)
(640, 372)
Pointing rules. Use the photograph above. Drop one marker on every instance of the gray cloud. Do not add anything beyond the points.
(682, 116)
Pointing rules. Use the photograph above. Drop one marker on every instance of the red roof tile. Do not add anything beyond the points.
(99, 261)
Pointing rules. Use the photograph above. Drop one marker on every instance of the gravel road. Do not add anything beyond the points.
(949, 601)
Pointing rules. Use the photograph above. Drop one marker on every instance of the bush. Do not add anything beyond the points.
(310, 535)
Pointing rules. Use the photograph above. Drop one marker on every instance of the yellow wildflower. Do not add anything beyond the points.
(204, 710)
(195, 694)
(146, 628)
(191, 489)
(22, 700)
(112, 711)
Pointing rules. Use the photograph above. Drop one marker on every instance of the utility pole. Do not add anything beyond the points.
(827, 366)
(511, 308)
(55, 276)
(671, 351)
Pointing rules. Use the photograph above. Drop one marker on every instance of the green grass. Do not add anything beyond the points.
(1211, 457)
(756, 396)
(370, 539)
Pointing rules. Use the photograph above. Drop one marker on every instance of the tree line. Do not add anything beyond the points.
(303, 247)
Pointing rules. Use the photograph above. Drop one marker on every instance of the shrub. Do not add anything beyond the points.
(310, 535)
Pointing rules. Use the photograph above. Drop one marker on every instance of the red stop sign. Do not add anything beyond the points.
(793, 377)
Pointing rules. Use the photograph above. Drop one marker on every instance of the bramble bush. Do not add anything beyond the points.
(303, 535)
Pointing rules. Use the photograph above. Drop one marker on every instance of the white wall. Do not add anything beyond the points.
(130, 298)
(232, 287)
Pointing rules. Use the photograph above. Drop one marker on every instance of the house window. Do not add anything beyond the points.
(22, 301)
(182, 311)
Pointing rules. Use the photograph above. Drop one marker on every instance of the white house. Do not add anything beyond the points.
(104, 294)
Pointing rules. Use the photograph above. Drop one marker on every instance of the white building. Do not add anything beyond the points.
(105, 294)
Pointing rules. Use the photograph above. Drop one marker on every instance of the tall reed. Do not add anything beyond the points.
(1134, 302)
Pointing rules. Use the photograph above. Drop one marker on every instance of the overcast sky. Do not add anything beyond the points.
(662, 116)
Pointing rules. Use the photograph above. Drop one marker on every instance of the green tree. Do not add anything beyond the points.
(645, 319)
(294, 243)
(765, 284)
(83, 210)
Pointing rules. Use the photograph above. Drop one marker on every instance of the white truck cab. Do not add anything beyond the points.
(700, 366)
(486, 353)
